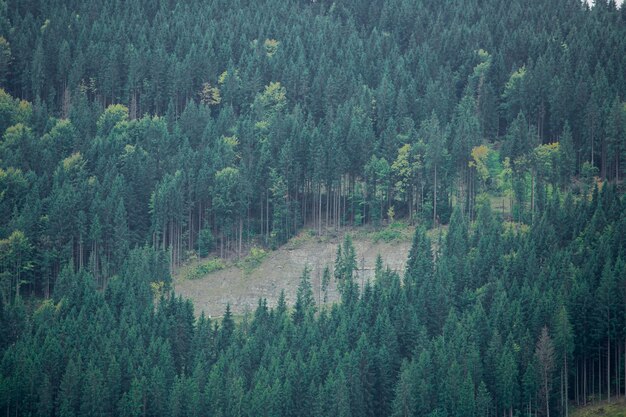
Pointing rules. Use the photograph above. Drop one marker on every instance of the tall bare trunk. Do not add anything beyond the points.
(577, 384)
(603, 158)
(562, 387)
(319, 213)
(585, 381)
(599, 380)
(327, 203)
(435, 199)
(240, 234)
(566, 389)
(608, 368)
(267, 218)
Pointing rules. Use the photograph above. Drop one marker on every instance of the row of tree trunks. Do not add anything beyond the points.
(606, 381)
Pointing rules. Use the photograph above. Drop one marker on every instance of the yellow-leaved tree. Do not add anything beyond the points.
(210, 95)
(480, 157)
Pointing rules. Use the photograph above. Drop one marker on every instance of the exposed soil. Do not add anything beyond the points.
(282, 269)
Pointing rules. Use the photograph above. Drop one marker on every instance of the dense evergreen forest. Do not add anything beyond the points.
(137, 134)
(503, 320)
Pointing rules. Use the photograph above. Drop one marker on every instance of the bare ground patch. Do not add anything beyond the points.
(281, 270)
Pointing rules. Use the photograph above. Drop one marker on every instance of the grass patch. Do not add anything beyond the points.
(300, 239)
(395, 232)
(613, 409)
(203, 269)
(252, 261)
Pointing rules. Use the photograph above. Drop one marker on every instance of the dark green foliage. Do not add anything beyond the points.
(205, 242)
(345, 271)
(344, 114)
(158, 128)
(419, 267)
(388, 349)
(304, 307)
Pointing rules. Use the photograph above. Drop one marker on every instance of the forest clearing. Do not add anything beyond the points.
(282, 269)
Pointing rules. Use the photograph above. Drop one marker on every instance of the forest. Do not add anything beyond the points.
(136, 135)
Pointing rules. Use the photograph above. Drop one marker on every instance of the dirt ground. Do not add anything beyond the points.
(282, 269)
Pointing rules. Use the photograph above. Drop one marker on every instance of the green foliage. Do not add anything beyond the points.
(12, 111)
(116, 168)
(394, 232)
(272, 100)
(5, 60)
(253, 260)
(16, 261)
(205, 242)
(304, 307)
(205, 268)
(254, 136)
(378, 175)
(210, 95)
(113, 115)
(588, 173)
(427, 344)
(512, 95)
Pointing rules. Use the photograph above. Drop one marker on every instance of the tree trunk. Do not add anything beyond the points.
(545, 387)
(592, 140)
(240, 235)
(603, 159)
(222, 244)
(190, 227)
(566, 388)
(422, 199)
(435, 199)
(577, 384)
(599, 374)
(532, 197)
(319, 213)
(267, 218)
(262, 204)
(562, 387)
(327, 204)
(616, 370)
(608, 368)
(584, 381)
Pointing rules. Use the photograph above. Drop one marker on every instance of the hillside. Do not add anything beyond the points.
(161, 159)
(603, 409)
(281, 270)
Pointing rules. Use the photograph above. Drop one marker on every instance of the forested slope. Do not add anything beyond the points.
(501, 320)
(201, 125)
(137, 134)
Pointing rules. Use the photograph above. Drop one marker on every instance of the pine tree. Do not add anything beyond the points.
(305, 302)
(227, 330)
(419, 267)
(404, 404)
(120, 231)
(70, 389)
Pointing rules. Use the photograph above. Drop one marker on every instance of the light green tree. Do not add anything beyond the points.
(15, 262)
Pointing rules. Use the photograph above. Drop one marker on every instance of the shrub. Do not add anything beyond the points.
(206, 268)
(253, 260)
